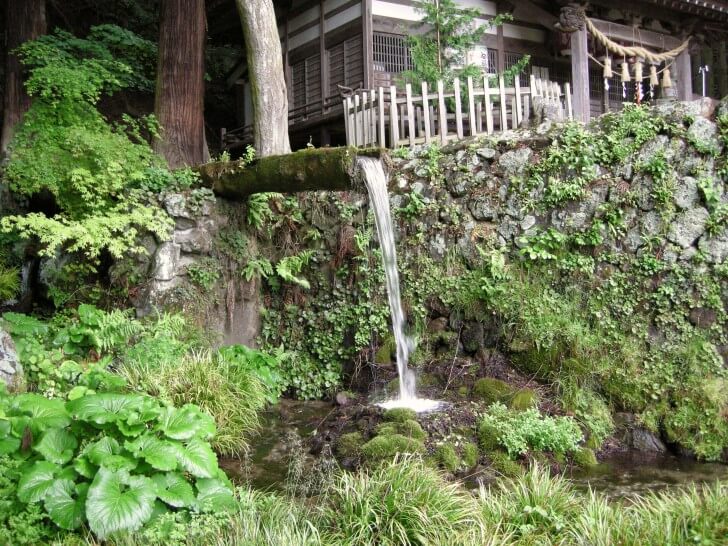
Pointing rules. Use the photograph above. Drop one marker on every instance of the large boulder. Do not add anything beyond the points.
(11, 372)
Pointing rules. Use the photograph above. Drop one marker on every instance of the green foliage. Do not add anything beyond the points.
(259, 211)
(519, 432)
(448, 457)
(225, 387)
(96, 171)
(349, 445)
(503, 464)
(523, 399)
(585, 457)
(590, 410)
(204, 273)
(9, 282)
(104, 459)
(267, 367)
(402, 502)
(289, 267)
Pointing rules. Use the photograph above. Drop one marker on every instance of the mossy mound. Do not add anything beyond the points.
(470, 455)
(585, 458)
(409, 428)
(386, 446)
(349, 445)
(491, 390)
(448, 457)
(504, 465)
(387, 349)
(488, 437)
(524, 399)
(399, 415)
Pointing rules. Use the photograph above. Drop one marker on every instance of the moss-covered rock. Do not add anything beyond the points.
(409, 428)
(488, 437)
(387, 349)
(470, 455)
(463, 391)
(349, 445)
(524, 399)
(585, 458)
(448, 457)
(399, 415)
(386, 446)
(503, 464)
(490, 390)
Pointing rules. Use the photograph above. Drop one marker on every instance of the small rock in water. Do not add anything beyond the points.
(344, 398)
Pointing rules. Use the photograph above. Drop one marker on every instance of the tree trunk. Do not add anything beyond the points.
(180, 93)
(305, 170)
(24, 20)
(267, 81)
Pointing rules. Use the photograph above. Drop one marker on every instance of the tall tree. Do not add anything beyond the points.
(267, 81)
(180, 94)
(24, 20)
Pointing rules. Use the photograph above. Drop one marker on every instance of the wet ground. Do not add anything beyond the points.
(619, 475)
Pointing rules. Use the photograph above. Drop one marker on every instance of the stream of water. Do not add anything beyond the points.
(376, 182)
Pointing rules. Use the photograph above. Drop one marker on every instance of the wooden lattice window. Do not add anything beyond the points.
(306, 81)
(346, 64)
(391, 53)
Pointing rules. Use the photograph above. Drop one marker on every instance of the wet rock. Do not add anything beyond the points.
(472, 336)
(11, 371)
(166, 261)
(482, 209)
(715, 248)
(703, 134)
(688, 226)
(515, 162)
(344, 398)
(195, 240)
(176, 205)
(702, 317)
(437, 325)
(459, 184)
(644, 440)
(486, 153)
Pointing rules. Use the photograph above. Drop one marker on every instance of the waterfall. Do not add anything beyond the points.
(376, 183)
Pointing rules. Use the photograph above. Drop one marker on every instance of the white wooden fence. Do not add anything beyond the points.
(388, 118)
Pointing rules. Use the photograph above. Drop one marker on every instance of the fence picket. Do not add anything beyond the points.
(488, 105)
(441, 112)
(373, 119)
(382, 141)
(471, 107)
(458, 108)
(357, 140)
(519, 112)
(347, 121)
(426, 112)
(503, 103)
(393, 116)
(410, 115)
(567, 92)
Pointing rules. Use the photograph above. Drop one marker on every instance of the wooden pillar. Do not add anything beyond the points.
(367, 41)
(684, 78)
(322, 57)
(580, 74)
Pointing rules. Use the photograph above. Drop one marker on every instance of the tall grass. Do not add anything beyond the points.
(9, 282)
(231, 394)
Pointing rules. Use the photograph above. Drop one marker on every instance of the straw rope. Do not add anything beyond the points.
(634, 51)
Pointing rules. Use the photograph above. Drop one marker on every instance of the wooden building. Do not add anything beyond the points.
(330, 46)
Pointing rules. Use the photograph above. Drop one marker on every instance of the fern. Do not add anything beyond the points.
(116, 328)
(290, 266)
(258, 266)
(259, 211)
(9, 282)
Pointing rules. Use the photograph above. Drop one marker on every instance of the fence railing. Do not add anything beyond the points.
(389, 118)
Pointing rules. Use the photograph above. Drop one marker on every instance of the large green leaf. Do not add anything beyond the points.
(214, 495)
(9, 445)
(44, 413)
(173, 489)
(36, 481)
(197, 458)
(101, 449)
(57, 446)
(66, 503)
(186, 423)
(118, 501)
(161, 454)
(106, 407)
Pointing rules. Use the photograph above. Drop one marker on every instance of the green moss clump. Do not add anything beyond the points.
(470, 455)
(387, 428)
(387, 446)
(385, 351)
(409, 428)
(349, 445)
(524, 399)
(399, 415)
(585, 458)
(488, 437)
(463, 391)
(448, 457)
(504, 465)
(491, 390)
(427, 380)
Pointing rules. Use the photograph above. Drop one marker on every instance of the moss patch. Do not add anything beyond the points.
(388, 445)
(409, 428)
(349, 445)
(585, 458)
(448, 457)
(488, 437)
(504, 465)
(470, 455)
(490, 390)
(399, 415)
(524, 399)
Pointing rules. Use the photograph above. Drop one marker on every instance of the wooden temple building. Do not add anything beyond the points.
(335, 47)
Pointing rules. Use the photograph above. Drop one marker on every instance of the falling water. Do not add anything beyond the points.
(376, 182)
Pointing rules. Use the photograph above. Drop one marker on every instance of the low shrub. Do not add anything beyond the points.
(518, 432)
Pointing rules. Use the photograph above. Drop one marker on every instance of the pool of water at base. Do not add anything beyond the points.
(618, 475)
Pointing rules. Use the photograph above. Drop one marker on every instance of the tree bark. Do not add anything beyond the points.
(24, 20)
(180, 93)
(305, 170)
(267, 81)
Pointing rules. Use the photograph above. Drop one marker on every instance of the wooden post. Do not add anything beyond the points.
(426, 112)
(410, 115)
(441, 112)
(347, 122)
(580, 74)
(503, 103)
(322, 57)
(488, 105)
(519, 112)
(393, 116)
(357, 141)
(458, 108)
(373, 118)
(365, 117)
(684, 76)
(567, 92)
(382, 140)
(471, 107)
(367, 42)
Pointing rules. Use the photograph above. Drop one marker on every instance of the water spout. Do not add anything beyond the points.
(376, 183)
